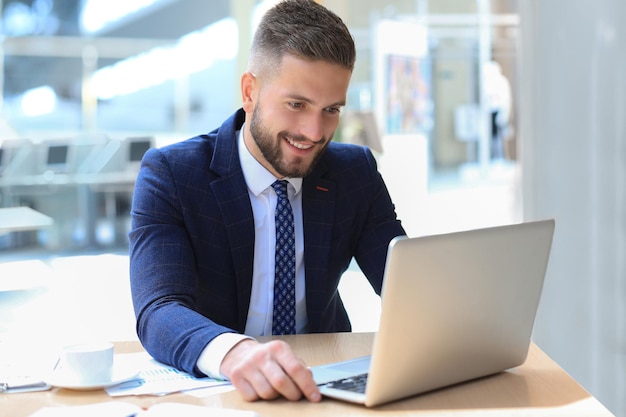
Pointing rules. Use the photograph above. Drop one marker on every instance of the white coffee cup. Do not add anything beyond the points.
(89, 363)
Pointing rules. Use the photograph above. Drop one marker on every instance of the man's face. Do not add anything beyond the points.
(292, 116)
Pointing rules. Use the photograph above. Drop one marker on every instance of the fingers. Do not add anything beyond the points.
(297, 373)
(268, 371)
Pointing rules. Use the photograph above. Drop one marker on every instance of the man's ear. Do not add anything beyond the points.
(248, 91)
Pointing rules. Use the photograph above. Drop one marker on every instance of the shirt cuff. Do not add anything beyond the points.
(210, 360)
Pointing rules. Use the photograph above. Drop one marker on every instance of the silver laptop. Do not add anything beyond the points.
(455, 307)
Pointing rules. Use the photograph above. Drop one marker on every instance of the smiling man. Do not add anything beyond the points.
(247, 230)
(306, 98)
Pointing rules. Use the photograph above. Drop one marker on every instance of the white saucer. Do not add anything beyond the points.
(62, 379)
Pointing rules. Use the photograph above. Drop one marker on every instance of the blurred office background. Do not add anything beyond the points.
(481, 112)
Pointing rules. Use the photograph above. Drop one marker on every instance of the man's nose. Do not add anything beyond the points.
(312, 127)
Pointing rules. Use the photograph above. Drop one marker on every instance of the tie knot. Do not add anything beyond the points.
(280, 186)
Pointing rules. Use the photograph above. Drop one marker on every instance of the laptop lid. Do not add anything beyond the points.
(455, 307)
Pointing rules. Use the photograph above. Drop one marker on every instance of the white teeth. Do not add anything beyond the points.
(298, 145)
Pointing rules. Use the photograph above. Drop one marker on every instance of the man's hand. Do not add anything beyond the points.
(268, 371)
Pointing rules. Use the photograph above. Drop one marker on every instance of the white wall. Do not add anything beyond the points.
(573, 153)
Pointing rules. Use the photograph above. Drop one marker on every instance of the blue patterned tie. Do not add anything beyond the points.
(284, 319)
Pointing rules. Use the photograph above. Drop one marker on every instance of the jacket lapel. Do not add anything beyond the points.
(231, 193)
(318, 205)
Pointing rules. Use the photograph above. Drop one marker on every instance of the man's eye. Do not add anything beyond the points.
(333, 110)
(296, 105)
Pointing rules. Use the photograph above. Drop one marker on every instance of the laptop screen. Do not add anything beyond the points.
(57, 155)
(138, 147)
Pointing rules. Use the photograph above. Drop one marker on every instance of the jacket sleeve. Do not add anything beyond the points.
(163, 275)
(380, 227)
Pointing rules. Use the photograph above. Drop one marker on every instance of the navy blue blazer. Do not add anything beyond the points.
(192, 240)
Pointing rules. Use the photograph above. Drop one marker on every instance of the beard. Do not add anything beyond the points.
(270, 147)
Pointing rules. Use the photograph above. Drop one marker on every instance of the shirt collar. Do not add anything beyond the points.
(257, 177)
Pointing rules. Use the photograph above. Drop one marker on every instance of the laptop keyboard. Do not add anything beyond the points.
(354, 383)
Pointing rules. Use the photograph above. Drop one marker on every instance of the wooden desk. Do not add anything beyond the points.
(539, 388)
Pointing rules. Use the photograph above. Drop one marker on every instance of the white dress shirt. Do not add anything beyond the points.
(263, 199)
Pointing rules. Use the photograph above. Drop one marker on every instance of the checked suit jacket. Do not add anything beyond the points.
(192, 240)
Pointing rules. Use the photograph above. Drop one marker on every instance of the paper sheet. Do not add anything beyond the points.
(110, 409)
(155, 378)
(122, 409)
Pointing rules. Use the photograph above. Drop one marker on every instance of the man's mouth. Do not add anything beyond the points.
(298, 145)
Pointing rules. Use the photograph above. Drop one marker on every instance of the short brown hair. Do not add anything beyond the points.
(303, 29)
